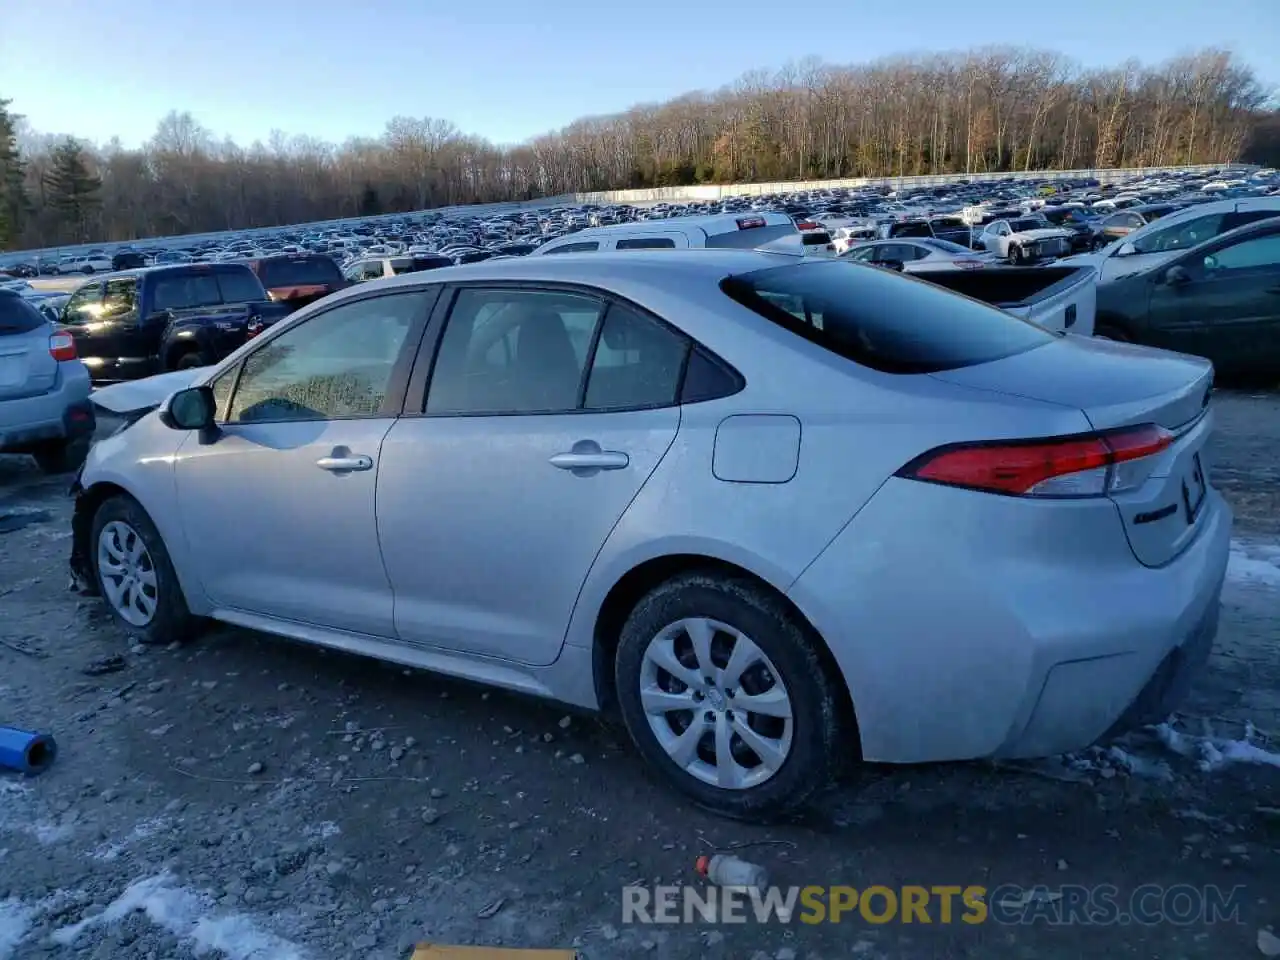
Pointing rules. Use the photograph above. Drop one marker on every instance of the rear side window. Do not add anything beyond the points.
(882, 320)
(401, 265)
(299, 271)
(1181, 236)
(1242, 217)
(576, 247)
(646, 243)
(17, 316)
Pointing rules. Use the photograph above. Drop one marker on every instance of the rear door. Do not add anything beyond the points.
(547, 411)
(27, 368)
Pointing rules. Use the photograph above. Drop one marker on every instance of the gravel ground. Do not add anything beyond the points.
(242, 797)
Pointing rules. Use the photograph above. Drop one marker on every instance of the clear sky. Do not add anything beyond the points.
(511, 69)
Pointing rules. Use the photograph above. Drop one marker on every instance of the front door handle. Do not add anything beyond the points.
(594, 460)
(345, 464)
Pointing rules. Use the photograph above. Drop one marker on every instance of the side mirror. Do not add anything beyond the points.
(1176, 276)
(1126, 250)
(190, 409)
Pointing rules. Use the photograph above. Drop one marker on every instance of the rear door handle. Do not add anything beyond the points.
(345, 464)
(601, 460)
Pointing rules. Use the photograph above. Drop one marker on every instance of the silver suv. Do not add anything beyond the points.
(44, 389)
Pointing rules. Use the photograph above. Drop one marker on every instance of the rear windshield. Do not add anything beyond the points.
(751, 237)
(946, 246)
(299, 271)
(401, 265)
(17, 316)
(883, 320)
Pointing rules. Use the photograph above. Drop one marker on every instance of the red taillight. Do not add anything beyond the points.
(806, 225)
(62, 346)
(1077, 466)
(749, 223)
(254, 327)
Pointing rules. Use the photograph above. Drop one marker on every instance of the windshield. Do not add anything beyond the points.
(883, 320)
(299, 271)
(1028, 224)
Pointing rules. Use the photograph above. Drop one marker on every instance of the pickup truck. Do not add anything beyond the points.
(143, 322)
(1062, 299)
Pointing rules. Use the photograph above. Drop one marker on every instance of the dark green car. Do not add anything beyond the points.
(1220, 300)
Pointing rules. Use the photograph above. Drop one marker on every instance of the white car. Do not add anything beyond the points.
(1025, 239)
(96, 263)
(1174, 232)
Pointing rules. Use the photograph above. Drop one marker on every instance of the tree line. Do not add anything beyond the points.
(998, 109)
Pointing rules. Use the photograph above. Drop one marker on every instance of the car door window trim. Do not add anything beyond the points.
(393, 401)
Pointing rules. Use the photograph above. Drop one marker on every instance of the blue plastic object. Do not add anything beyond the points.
(28, 753)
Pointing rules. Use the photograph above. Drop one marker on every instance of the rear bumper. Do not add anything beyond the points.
(63, 413)
(970, 626)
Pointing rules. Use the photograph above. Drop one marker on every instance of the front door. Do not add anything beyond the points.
(278, 509)
(536, 437)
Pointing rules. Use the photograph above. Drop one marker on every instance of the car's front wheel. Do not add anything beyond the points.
(135, 574)
(723, 690)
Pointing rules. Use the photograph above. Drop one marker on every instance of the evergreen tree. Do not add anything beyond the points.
(73, 190)
(13, 201)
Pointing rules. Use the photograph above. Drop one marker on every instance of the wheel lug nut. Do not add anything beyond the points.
(710, 716)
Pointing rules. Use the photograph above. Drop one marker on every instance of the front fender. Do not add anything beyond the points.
(139, 462)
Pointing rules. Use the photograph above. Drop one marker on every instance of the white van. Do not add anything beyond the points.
(1162, 238)
(741, 231)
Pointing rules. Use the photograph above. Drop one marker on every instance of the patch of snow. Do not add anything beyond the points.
(322, 831)
(16, 815)
(15, 920)
(1139, 766)
(185, 914)
(1254, 563)
(1212, 753)
(141, 831)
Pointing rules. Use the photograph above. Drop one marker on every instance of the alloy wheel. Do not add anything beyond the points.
(128, 573)
(716, 703)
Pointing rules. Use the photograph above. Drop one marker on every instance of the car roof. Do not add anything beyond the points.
(609, 270)
(709, 223)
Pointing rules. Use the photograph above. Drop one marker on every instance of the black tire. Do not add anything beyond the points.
(1015, 255)
(814, 758)
(61, 456)
(172, 620)
(190, 360)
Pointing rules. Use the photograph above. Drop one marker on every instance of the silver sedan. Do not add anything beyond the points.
(919, 255)
(777, 513)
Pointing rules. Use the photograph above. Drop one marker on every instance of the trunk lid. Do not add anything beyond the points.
(1118, 385)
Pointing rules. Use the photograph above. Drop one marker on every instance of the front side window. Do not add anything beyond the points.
(121, 300)
(1252, 254)
(513, 351)
(881, 320)
(860, 253)
(335, 365)
(85, 306)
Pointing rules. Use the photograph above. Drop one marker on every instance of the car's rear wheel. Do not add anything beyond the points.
(724, 693)
(135, 574)
(190, 360)
(60, 456)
